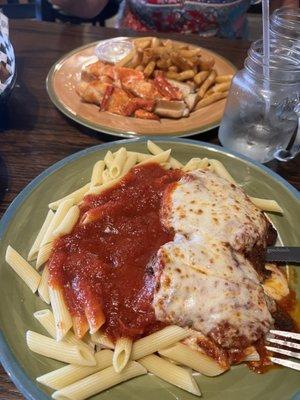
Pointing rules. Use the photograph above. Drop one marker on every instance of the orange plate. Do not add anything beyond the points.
(65, 74)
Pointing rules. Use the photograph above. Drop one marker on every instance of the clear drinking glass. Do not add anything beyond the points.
(261, 118)
(285, 26)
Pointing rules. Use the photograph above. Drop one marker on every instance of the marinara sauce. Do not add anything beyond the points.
(106, 264)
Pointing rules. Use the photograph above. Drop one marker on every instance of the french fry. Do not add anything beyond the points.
(126, 59)
(142, 44)
(223, 78)
(210, 99)
(168, 44)
(180, 62)
(209, 92)
(137, 59)
(147, 56)
(142, 39)
(173, 68)
(207, 83)
(206, 63)
(192, 85)
(162, 64)
(149, 69)
(159, 51)
(155, 42)
(172, 75)
(200, 77)
(182, 76)
(185, 75)
(221, 87)
(181, 46)
(189, 53)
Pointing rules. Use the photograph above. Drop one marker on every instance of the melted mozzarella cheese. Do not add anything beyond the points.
(205, 205)
(204, 280)
(223, 300)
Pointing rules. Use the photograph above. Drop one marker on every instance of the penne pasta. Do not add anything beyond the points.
(43, 290)
(155, 149)
(62, 317)
(99, 189)
(159, 158)
(122, 353)
(96, 178)
(162, 353)
(43, 254)
(77, 197)
(267, 205)
(171, 373)
(166, 165)
(98, 382)
(67, 224)
(105, 176)
(253, 356)
(22, 268)
(196, 163)
(46, 319)
(263, 204)
(157, 341)
(80, 325)
(95, 319)
(69, 374)
(88, 341)
(60, 214)
(117, 165)
(140, 156)
(220, 170)
(129, 163)
(102, 339)
(108, 159)
(36, 245)
(60, 351)
(194, 359)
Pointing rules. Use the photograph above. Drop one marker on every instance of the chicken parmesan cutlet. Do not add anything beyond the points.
(165, 247)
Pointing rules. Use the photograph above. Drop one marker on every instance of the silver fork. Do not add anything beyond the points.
(287, 346)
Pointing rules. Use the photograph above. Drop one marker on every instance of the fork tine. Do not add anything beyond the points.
(283, 351)
(290, 335)
(286, 363)
(293, 345)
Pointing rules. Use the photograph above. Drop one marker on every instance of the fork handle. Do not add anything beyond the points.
(283, 254)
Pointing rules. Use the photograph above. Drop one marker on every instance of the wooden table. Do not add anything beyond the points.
(37, 135)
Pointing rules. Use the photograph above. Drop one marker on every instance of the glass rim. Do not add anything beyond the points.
(258, 57)
(283, 17)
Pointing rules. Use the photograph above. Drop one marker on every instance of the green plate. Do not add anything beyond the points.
(21, 223)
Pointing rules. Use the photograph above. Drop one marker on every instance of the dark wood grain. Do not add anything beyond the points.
(37, 135)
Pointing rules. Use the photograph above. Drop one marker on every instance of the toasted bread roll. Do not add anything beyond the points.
(171, 109)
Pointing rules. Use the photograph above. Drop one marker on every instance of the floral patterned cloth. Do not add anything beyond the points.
(224, 18)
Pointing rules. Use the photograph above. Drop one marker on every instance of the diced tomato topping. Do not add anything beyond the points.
(104, 103)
